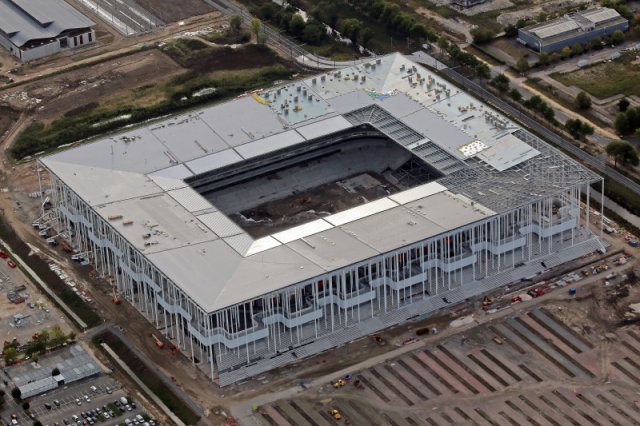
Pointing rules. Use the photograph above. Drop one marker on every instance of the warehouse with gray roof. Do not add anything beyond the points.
(576, 27)
(33, 29)
(280, 224)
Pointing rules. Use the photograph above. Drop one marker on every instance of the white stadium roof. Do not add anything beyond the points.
(135, 180)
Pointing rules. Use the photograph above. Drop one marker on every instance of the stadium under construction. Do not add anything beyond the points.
(280, 224)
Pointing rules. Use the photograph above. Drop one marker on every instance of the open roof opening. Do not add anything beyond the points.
(322, 180)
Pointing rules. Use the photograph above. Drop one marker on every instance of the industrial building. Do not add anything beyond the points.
(576, 27)
(73, 364)
(33, 29)
(280, 224)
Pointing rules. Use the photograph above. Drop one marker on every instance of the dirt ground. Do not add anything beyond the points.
(51, 98)
(8, 117)
(314, 203)
(172, 11)
(570, 362)
(109, 43)
(205, 58)
(38, 312)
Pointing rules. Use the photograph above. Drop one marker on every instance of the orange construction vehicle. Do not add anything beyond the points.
(159, 343)
(335, 413)
(340, 383)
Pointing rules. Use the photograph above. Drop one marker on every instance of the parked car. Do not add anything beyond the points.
(11, 264)
(3, 255)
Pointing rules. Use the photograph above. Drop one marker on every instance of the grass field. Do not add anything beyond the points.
(606, 79)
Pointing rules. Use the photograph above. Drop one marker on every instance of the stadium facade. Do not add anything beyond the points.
(277, 225)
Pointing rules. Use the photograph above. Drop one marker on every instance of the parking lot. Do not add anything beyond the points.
(59, 407)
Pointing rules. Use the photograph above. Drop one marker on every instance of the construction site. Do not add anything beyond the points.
(373, 246)
(571, 356)
(469, 202)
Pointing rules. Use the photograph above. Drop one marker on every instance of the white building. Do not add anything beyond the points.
(33, 29)
(271, 227)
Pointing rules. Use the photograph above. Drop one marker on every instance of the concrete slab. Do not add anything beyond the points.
(434, 387)
(449, 380)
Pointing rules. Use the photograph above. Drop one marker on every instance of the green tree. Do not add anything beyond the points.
(511, 30)
(623, 104)
(419, 32)
(10, 355)
(365, 37)
(596, 43)
(522, 65)
(235, 23)
(26, 405)
(327, 11)
(583, 101)
(534, 102)
(296, 25)
(313, 33)
(515, 94)
(622, 124)
(443, 43)
(576, 49)
(351, 29)
(267, 11)
(617, 37)
(57, 337)
(578, 129)
(624, 152)
(501, 82)
(565, 53)
(16, 393)
(55, 371)
(37, 423)
(544, 58)
(482, 34)
(256, 26)
(482, 70)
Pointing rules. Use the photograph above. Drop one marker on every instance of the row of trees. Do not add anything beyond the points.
(577, 49)
(463, 58)
(390, 15)
(578, 128)
(39, 344)
(312, 31)
(329, 12)
(535, 103)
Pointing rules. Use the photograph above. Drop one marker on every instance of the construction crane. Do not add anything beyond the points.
(159, 343)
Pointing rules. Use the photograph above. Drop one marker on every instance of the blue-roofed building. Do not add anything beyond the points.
(577, 27)
(33, 29)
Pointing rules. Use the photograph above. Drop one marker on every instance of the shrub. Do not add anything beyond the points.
(583, 101)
